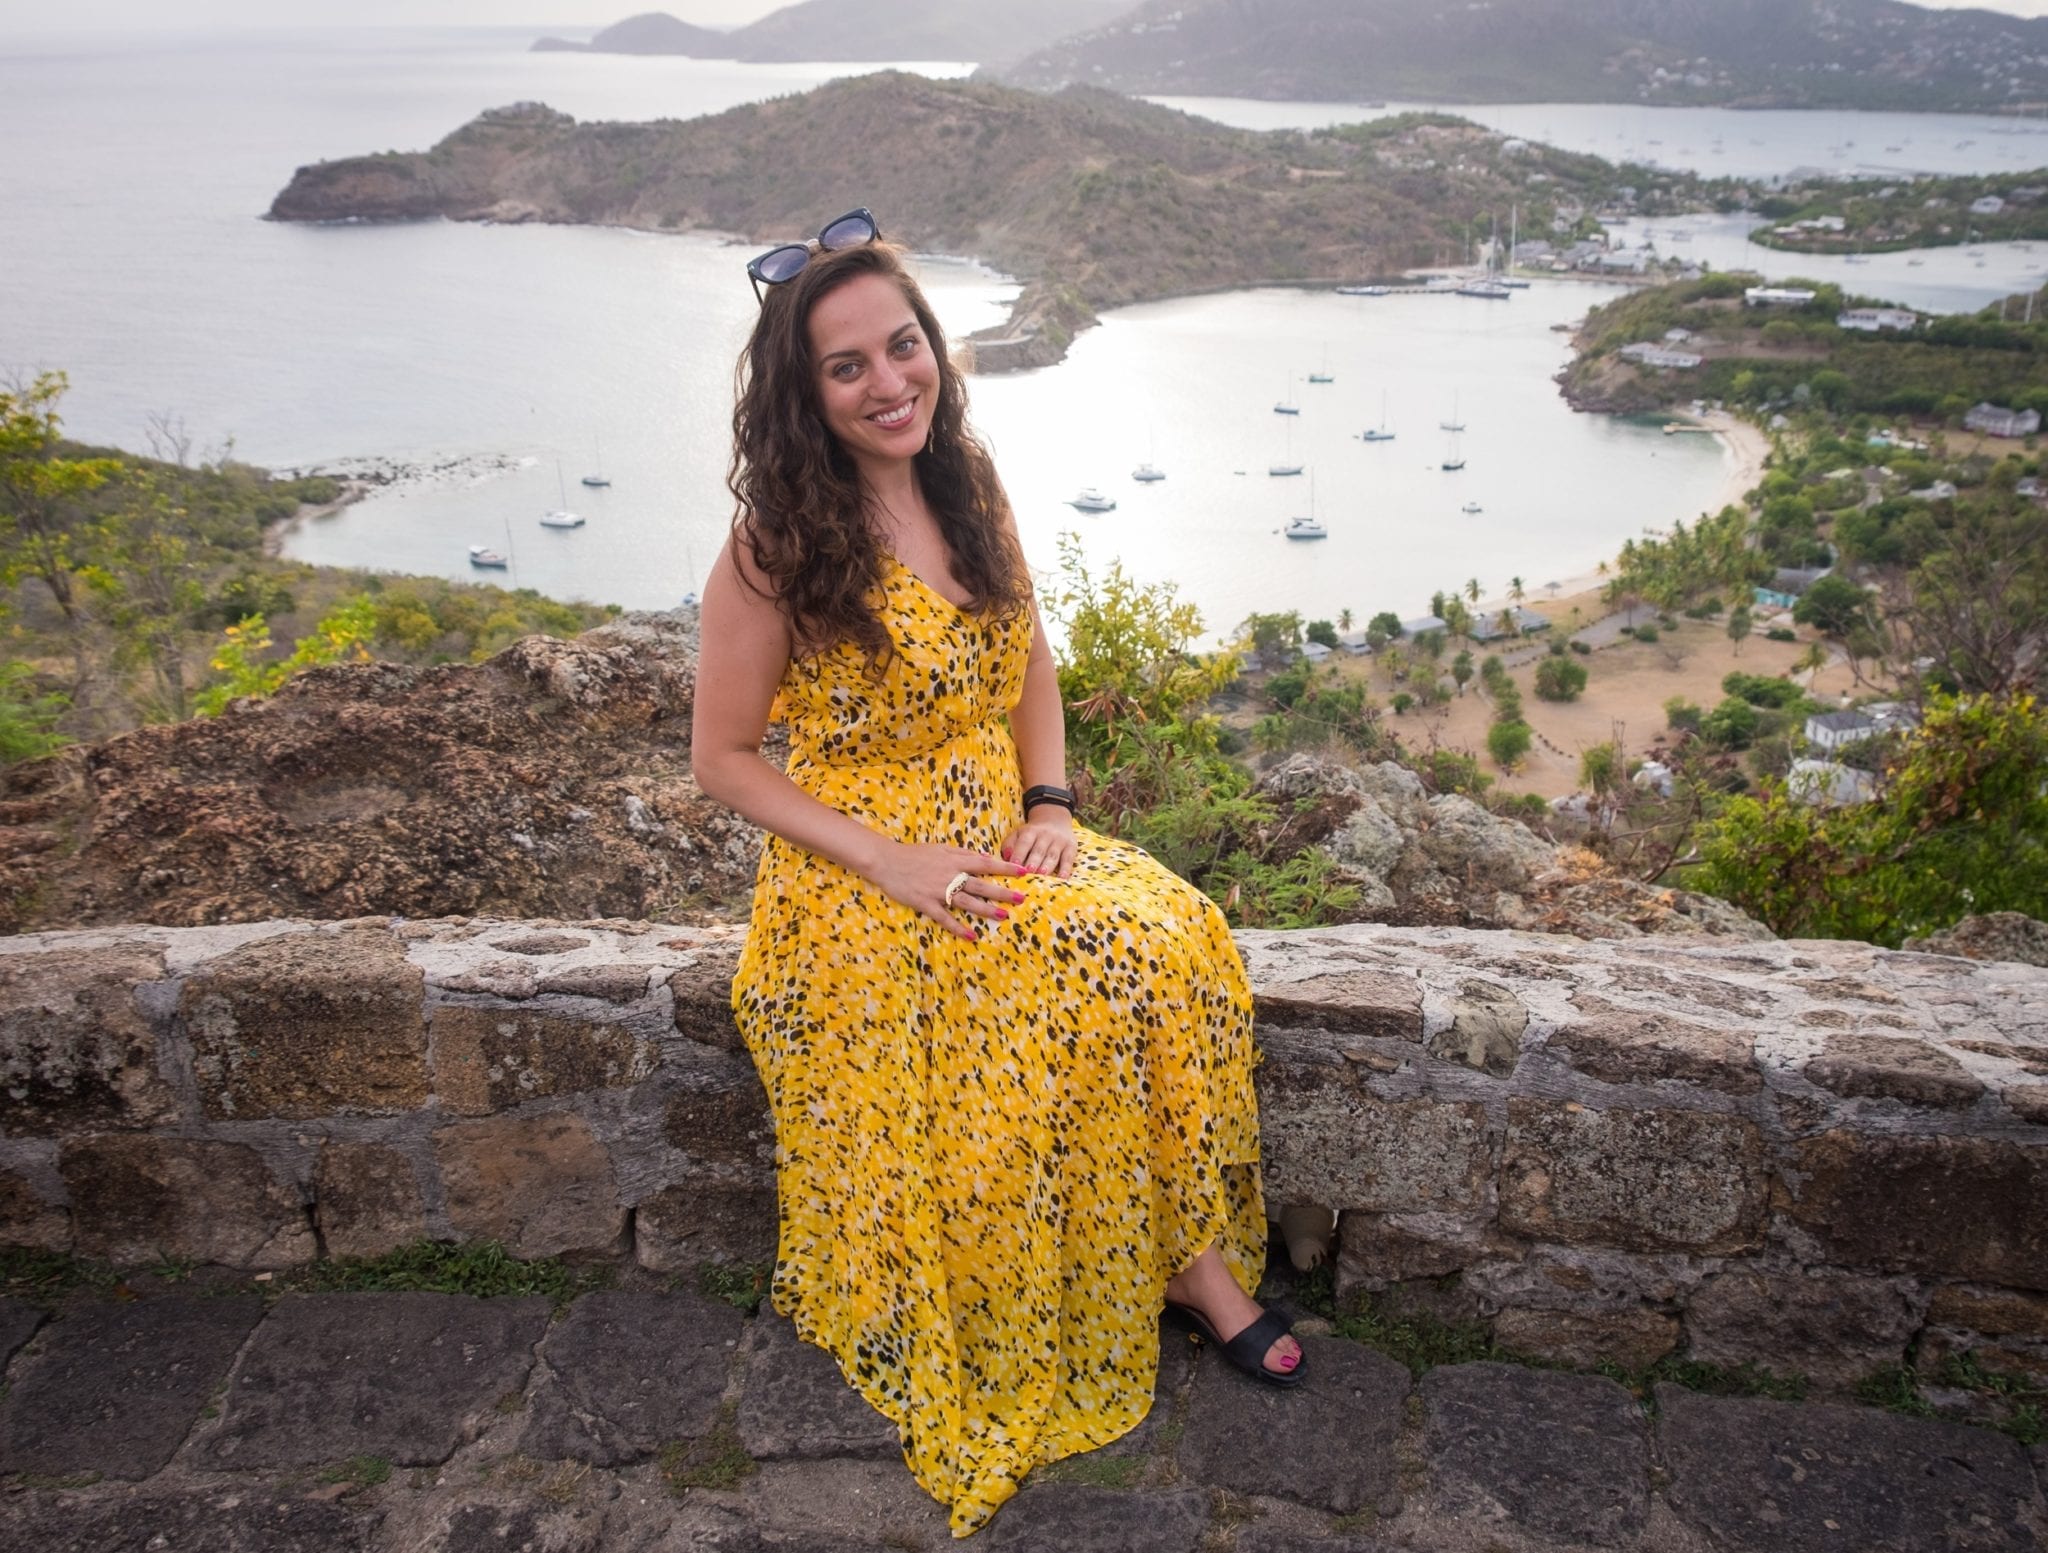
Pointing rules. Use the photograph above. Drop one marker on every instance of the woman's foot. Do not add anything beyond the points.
(1205, 1285)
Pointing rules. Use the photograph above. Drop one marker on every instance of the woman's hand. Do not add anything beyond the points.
(1044, 845)
(916, 875)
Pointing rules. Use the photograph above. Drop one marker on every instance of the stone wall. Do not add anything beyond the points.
(1805, 1155)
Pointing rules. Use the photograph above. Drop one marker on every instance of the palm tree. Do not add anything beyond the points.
(1343, 619)
(1472, 589)
(1515, 589)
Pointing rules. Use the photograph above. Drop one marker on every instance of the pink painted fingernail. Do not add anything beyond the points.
(1002, 915)
(1016, 897)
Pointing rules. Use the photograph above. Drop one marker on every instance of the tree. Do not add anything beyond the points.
(1507, 743)
(149, 584)
(1602, 771)
(1322, 631)
(45, 532)
(1387, 623)
(1960, 826)
(341, 635)
(1461, 670)
(1472, 589)
(1506, 621)
(1560, 679)
(1436, 604)
(1974, 598)
(1402, 702)
(1515, 589)
(1270, 634)
(1833, 604)
(1343, 619)
(1739, 626)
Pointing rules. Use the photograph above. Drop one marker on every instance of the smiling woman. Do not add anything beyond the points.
(1009, 1060)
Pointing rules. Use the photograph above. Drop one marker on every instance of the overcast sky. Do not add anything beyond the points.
(537, 14)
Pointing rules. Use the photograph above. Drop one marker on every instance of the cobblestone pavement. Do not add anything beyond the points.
(647, 1422)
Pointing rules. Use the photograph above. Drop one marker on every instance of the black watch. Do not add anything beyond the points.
(1045, 792)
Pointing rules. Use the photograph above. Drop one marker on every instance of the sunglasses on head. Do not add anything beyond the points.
(785, 263)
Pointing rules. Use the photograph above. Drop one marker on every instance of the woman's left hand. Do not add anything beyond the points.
(1044, 845)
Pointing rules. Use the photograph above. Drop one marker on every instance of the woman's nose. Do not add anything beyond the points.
(887, 380)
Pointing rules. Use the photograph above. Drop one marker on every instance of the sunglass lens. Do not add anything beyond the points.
(847, 232)
(780, 264)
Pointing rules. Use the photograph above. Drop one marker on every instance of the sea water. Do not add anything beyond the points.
(134, 257)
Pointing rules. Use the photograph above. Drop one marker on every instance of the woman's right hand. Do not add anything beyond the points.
(916, 874)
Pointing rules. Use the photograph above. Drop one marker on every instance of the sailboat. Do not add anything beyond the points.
(1324, 376)
(597, 481)
(1310, 527)
(1487, 286)
(1507, 276)
(1453, 424)
(1287, 465)
(561, 517)
(1378, 433)
(1453, 459)
(1284, 406)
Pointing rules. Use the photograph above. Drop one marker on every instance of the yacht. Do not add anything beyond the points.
(561, 517)
(1321, 377)
(1378, 433)
(484, 555)
(1092, 500)
(1283, 469)
(596, 482)
(1305, 528)
(1471, 506)
(1492, 290)
(1362, 291)
(1147, 474)
(1284, 408)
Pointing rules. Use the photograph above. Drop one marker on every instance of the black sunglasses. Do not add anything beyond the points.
(785, 263)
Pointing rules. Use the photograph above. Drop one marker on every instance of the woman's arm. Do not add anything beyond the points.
(743, 647)
(1044, 843)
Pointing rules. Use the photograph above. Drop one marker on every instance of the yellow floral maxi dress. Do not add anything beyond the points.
(990, 1155)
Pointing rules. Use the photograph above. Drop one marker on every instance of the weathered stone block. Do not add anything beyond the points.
(683, 1226)
(628, 1372)
(621, 983)
(1563, 1456)
(135, 1197)
(1994, 1312)
(1328, 1443)
(1777, 1477)
(1348, 1148)
(2029, 1102)
(29, 1222)
(722, 1119)
(1375, 1249)
(703, 997)
(1832, 1328)
(487, 1059)
(1893, 1068)
(408, 1377)
(75, 1051)
(114, 1389)
(1084, 1519)
(1647, 1180)
(541, 1185)
(308, 1024)
(366, 1199)
(1633, 1339)
(1485, 1031)
(797, 1404)
(1627, 1046)
(1353, 1001)
(53, 1521)
(1965, 1208)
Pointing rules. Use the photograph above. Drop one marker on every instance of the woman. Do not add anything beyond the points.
(1009, 1060)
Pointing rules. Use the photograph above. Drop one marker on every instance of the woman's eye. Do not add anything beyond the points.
(907, 345)
(844, 371)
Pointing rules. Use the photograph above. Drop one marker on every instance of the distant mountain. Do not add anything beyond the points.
(652, 32)
(1748, 53)
(1093, 199)
(919, 29)
(862, 30)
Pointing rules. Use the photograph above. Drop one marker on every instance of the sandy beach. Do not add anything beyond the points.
(1628, 681)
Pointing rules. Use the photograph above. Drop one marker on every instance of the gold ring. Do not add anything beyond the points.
(953, 886)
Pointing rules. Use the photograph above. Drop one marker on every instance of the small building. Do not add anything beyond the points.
(1657, 356)
(1834, 730)
(1989, 205)
(1872, 319)
(1795, 580)
(1941, 490)
(1487, 628)
(1618, 261)
(1777, 296)
(1410, 629)
(1997, 421)
(1315, 652)
(1357, 643)
(2030, 487)
(1772, 598)
(1677, 336)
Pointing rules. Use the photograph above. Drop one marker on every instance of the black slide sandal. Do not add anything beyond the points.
(1247, 1350)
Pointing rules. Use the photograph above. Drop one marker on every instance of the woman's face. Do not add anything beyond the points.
(877, 380)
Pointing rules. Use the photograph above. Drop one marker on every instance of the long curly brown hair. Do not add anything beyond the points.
(801, 507)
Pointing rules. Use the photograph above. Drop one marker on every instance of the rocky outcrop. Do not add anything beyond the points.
(1418, 858)
(552, 780)
(1997, 935)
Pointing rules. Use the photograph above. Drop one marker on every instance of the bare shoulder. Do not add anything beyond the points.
(739, 603)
